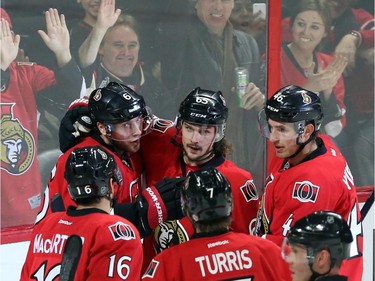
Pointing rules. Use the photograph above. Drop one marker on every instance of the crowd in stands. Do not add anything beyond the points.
(179, 53)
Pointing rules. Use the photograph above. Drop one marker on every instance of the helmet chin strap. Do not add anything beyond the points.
(301, 145)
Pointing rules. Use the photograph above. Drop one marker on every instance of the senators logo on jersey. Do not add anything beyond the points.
(249, 191)
(150, 272)
(17, 143)
(162, 125)
(121, 230)
(169, 233)
(305, 192)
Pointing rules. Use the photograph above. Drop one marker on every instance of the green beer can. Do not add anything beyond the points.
(242, 80)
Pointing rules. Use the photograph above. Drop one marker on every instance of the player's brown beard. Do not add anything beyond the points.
(203, 158)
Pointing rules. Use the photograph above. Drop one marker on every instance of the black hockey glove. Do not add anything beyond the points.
(170, 192)
(75, 123)
(159, 203)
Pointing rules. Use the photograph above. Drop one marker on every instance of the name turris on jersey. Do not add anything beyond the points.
(50, 245)
(224, 262)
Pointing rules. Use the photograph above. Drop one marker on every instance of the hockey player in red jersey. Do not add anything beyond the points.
(120, 116)
(196, 141)
(111, 245)
(308, 173)
(316, 246)
(21, 82)
(214, 252)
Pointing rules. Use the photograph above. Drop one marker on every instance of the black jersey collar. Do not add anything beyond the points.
(73, 212)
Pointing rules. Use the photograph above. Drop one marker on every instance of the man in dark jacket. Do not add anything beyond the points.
(202, 49)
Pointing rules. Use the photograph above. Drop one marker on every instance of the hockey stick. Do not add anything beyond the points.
(367, 206)
(71, 255)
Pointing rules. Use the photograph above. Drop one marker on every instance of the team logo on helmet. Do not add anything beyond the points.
(223, 99)
(122, 231)
(330, 219)
(103, 154)
(103, 190)
(306, 98)
(118, 176)
(98, 95)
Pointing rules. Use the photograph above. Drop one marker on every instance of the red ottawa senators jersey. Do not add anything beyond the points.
(111, 247)
(162, 158)
(127, 189)
(21, 183)
(321, 183)
(228, 256)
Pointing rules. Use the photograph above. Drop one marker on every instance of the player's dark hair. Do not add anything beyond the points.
(88, 201)
(213, 226)
(223, 147)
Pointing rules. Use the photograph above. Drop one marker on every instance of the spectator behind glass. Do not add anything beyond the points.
(347, 38)
(361, 114)
(95, 12)
(20, 83)
(118, 47)
(201, 48)
(353, 32)
(364, 4)
(243, 18)
(207, 201)
(303, 65)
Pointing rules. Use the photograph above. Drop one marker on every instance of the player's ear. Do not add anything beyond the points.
(322, 261)
(308, 131)
(113, 185)
(102, 128)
